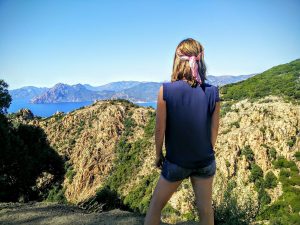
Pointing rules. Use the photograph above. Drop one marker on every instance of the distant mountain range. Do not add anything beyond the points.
(134, 91)
(27, 93)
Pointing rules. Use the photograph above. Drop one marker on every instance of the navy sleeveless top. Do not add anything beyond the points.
(188, 126)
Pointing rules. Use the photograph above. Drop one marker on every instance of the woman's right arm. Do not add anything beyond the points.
(215, 123)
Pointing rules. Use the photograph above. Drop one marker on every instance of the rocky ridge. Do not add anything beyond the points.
(87, 138)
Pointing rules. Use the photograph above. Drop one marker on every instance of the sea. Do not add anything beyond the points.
(46, 110)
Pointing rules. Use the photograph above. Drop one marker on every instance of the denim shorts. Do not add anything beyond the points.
(173, 172)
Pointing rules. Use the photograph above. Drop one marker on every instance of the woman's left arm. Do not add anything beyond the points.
(160, 127)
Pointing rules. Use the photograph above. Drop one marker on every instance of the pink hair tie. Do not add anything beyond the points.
(193, 64)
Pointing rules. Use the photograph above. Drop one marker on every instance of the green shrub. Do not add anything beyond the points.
(259, 183)
(225, 131)
(235, 123)
(266, 146)
(293, 167)
(123, 101)
(284, 173)
(108, 198)
(227, 163)
(129, 158)
(81, 124)
(150, 126)
(79, 129)
(228, 212)
(225, 108)
(263, 197)
(285, 209)
(72, 142)
(256, 172)
(263, 129)
(189, 216)
(276, 221)
(292, 141)
(247, 151)
(272, 153)
(231, 185)
(168, 209)
(294, 180)
(290, 219)
(139, 198)
(56, 194)
(282, 162)
(297, 155)
(70, 174)
(129, 123)
(270, 180)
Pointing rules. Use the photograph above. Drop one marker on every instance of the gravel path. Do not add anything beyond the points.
(40, 213)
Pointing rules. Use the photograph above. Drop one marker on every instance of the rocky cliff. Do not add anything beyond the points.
(95, 139)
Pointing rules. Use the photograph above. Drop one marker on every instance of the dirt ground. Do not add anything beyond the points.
(40, 213)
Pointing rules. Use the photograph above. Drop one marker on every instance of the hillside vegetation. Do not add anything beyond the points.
(257, 155)
(282, 80)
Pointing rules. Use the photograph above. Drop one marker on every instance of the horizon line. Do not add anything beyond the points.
(121, 81)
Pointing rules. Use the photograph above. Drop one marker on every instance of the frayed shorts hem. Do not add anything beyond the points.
(173, 172)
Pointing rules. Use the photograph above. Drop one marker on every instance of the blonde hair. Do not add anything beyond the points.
(181, 68)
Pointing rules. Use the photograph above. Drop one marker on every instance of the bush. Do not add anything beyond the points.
(263, 129)
(256, 172)
(293, 167)
(235, 123)
(259, 183)
(272, 153)
(139, 198)
(228, 212)
(231, 185)
(297, 155)
(225, 108)
(150, 127)
(109, 198)
(263, 197)
(129, 123)
(72, 142)
(189, 216)
(284, 173)
(227, 163)
(70, 174)
(56, 194)
(247, 151)
(285, 209)
(270, 180)
(282, 162)
(128, 160)
(292, 141)
(294, 180)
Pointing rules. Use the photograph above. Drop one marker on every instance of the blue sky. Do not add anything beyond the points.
(97, 42)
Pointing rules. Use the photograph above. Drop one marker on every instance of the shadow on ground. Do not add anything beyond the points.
(35, 213)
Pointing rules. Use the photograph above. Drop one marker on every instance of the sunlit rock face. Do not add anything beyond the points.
(87, 137)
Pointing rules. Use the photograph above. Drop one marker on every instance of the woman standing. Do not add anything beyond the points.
(187, 117)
